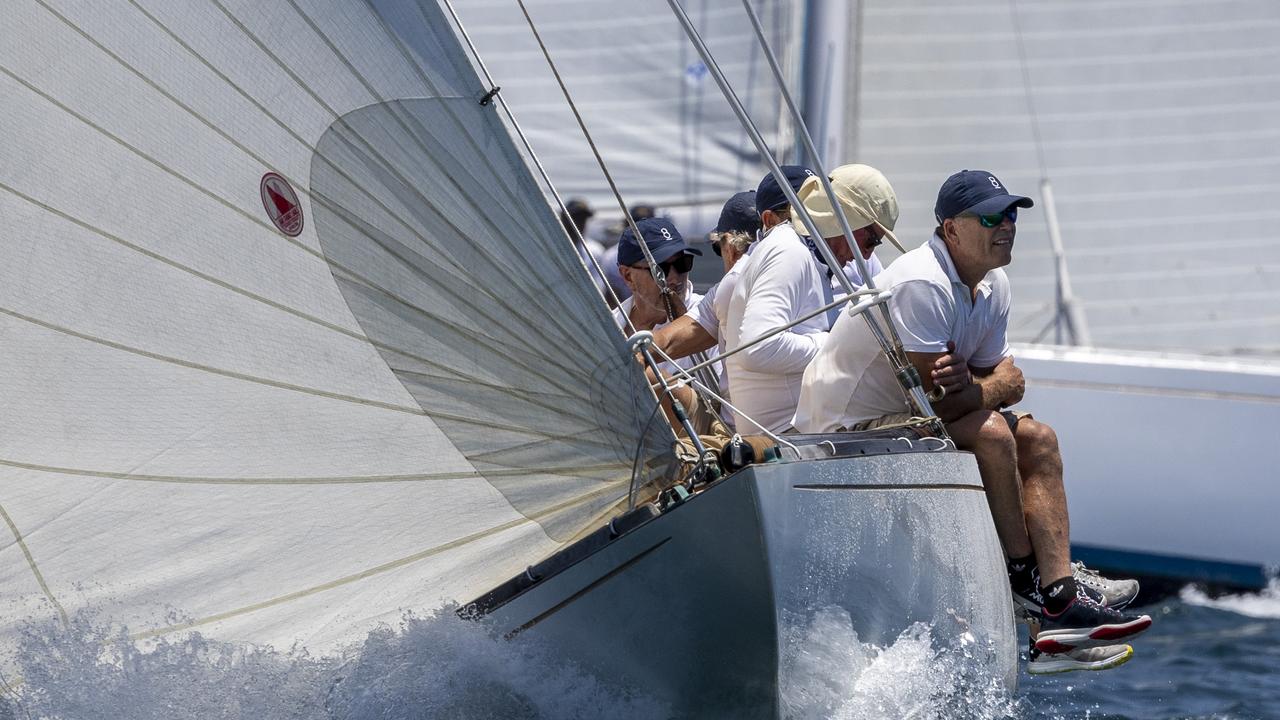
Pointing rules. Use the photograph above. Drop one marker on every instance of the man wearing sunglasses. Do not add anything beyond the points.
(871, 208)
(950, 305)
(646, 309)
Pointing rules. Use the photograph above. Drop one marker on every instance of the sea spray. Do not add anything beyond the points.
(443, 666)
(828, 672)
(426, 667)
(1264, 604)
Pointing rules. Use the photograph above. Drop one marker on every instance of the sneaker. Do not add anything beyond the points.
(1115, 594)
(1104, 657)
(1028, 602)
(1086, 623)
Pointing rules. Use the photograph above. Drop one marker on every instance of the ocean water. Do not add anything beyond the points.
(1205, 658)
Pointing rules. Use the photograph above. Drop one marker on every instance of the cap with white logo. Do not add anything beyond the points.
(975, 191)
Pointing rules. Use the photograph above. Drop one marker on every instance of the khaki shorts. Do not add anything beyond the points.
(896, 420)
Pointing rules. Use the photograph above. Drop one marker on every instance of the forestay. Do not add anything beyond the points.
(289, 340)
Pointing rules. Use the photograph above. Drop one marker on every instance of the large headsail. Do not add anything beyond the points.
(289, 339)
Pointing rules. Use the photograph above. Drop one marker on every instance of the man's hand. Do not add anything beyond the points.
(678, 308)
(951, 371)
(1002, 385)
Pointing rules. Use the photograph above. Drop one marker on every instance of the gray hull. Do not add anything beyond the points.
(702, 606)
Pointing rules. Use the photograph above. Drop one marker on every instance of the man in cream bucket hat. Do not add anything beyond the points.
(870, 206)
(871, 209)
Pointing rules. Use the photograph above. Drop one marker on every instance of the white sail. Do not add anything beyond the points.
(1156, 126)
(289, 341)
(650, 103)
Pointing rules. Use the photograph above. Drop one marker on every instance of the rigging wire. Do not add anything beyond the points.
(659, 277)
(1026, 88)
(575, 234)
(684, 377)
(889, 342)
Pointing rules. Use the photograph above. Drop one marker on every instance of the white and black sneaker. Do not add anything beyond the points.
(1028, 602)
(1085, 623)
(1115, 594)
(1103, 657)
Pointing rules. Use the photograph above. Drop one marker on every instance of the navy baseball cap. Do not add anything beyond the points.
(975, 191)
(739, 214)
(662, 237)
(769, 195)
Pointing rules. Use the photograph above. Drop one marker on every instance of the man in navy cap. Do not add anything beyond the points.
(646, 309)
(950, 305)
(778, 284)
(731, 240)
(699, 329)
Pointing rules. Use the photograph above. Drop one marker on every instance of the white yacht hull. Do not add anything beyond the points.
(701, 607)
(1165, 457)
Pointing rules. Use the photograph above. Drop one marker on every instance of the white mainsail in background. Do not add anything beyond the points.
(275, 432)
(1156, 122)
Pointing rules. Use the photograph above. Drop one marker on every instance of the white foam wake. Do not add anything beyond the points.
(428, 667)
(1264, 604)
(829, 673)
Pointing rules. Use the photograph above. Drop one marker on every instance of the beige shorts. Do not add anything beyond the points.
(895, 420)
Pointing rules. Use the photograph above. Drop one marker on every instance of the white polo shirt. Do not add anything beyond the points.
(779, 282)
(850, 379)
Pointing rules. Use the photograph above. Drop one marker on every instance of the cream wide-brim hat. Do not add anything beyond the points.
(865, 196)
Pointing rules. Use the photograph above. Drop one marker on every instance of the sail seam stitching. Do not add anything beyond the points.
(352, 277)
(323, 201)
(168, 96)
(356, 278)
(31, 563)
(575, 470)
(417, 137)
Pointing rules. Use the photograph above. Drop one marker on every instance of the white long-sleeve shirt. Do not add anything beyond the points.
(779, 283)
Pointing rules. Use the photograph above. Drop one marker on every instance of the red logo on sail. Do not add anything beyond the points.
(281, 204)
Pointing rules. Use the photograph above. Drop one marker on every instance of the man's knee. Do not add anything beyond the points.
(994, 436)
(1035, 438)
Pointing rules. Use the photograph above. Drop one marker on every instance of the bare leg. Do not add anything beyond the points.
(1044, 499)
(987, 435)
